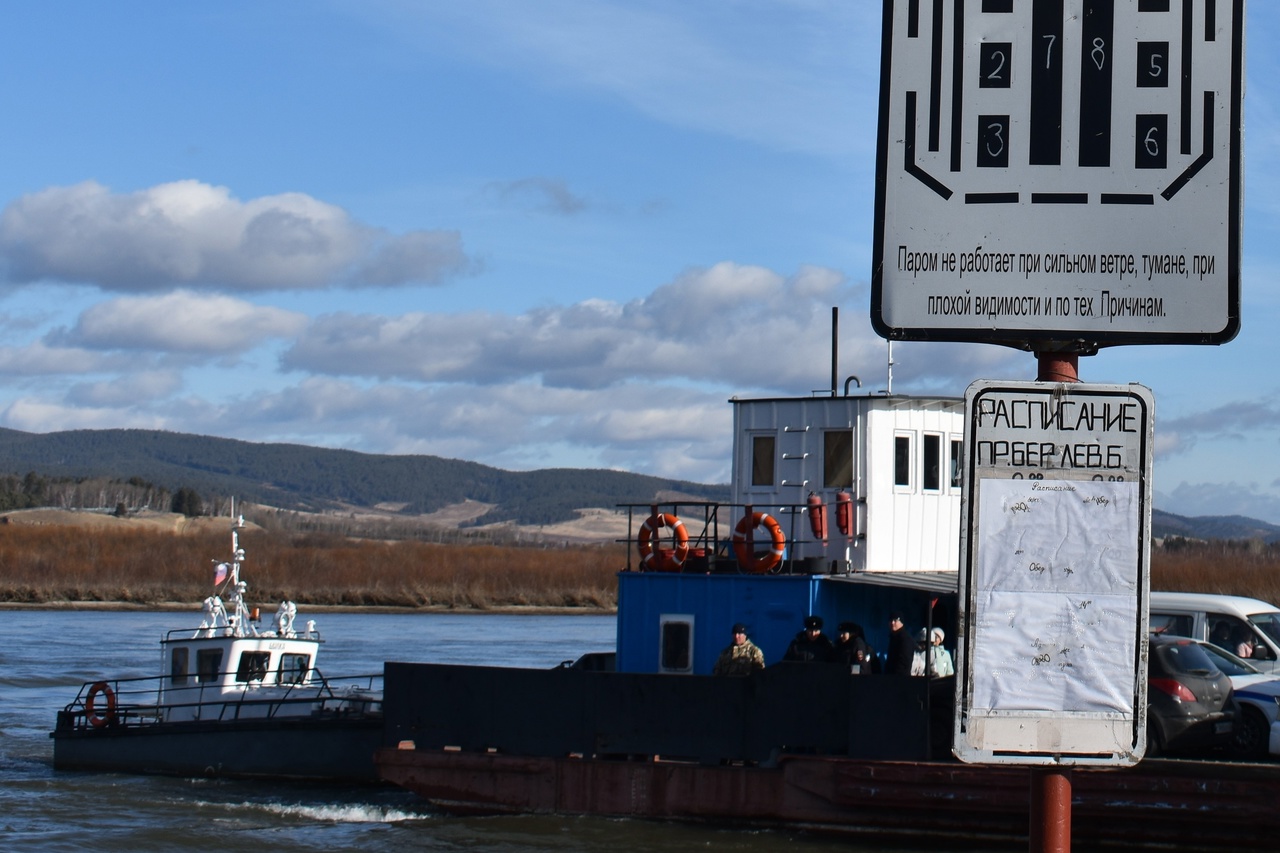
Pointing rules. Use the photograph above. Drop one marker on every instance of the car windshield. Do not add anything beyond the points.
(1189, 657)
(1268, 623)
(1227, 662)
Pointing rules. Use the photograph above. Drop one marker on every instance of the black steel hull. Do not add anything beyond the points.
(337, 750)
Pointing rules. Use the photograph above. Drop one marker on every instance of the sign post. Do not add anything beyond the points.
(1059, 174)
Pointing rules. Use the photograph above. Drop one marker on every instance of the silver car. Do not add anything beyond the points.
(1257, 732)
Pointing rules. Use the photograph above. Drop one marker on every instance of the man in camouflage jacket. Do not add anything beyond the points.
(742, 657)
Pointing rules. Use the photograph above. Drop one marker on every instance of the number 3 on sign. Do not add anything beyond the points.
(993, 142)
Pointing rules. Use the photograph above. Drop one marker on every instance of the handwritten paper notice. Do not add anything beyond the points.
(1055, 593)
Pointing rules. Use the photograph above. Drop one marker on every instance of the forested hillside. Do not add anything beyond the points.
(146, 467)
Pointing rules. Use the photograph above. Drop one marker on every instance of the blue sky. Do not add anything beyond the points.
(559, 233)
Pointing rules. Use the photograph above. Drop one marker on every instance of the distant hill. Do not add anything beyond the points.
(311, 479)
(1165, 524)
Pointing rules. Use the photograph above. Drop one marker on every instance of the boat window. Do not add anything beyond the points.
(675, 652)
(178, 665)
(253, 666)
(956, 446)
(837, 459)
(762, 456)
(293, 668)
(208, 664)
(902, 460)
(931, 457)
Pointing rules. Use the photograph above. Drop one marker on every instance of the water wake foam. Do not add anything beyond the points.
(330, 812)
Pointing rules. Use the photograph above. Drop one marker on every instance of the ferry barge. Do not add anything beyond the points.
(844, 507)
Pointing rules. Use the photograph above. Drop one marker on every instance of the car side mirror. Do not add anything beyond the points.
(1263, 652)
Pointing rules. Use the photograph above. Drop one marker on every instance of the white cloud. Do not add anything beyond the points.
(39, 359)
(734, 326)
(130, 390)
(191, 233)
(1220, 499)
(37, 415)
(180, 322)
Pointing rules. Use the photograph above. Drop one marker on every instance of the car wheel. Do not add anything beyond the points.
(1154, 748)
(1251, 734)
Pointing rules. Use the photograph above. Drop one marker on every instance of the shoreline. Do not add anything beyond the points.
(184, 607)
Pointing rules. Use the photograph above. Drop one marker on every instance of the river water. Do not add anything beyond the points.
(45, 656)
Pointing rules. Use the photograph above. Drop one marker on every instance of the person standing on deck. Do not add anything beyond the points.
(852, 649)
(811, 645)
(741, 657)
(901, 648)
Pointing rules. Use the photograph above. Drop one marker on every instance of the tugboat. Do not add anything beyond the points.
(231, 701)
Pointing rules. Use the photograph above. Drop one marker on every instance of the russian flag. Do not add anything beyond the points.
(220, 573)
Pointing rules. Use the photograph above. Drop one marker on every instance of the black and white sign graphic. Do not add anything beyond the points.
(1059, 170)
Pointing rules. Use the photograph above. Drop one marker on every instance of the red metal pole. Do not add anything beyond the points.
(1051, 786)
(1050, 810)
(1058, 367)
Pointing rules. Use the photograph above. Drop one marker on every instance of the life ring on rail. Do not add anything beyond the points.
(647, 543)
(107, 716)
(743, 551)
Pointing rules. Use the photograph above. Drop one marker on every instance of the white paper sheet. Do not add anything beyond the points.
(1056, 586)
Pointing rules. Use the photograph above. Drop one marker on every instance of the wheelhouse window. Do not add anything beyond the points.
(675, 644)
(208, 664)
(253, 666)
(178, 660)
(931, 463)
(902, 461)
(293, 668)
(837, 459)
(763, 448)
(956, 447)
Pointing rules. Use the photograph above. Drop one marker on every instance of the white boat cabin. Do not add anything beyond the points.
(226, 667)
(886, 469)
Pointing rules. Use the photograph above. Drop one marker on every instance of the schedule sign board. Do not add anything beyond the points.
(1059, 171)
(1055, 574)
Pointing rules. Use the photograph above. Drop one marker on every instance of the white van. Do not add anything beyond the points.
(1236, 624)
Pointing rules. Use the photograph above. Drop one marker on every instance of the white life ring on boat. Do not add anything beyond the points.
(746, 557)
(107, 716)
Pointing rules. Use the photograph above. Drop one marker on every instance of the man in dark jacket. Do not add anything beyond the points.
(852, 648)
(901, 647)
(811, 645)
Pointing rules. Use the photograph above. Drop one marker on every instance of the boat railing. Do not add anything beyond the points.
(711, 528)
(225, 631)
(139, 702)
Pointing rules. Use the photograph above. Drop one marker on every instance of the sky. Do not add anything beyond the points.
(529, 235)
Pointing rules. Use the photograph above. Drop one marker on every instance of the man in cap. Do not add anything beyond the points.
(741, 657)
(811, 645)
(901, 648)
(852, 649)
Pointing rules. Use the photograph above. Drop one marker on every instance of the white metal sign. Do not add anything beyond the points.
(1059, 171)
(1055, 574)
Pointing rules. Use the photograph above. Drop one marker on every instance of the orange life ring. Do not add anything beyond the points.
(107, 716)
(647, 543)
(746, 557)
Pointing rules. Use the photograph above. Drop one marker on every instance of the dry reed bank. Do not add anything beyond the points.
(52, 564)
(49, 564)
